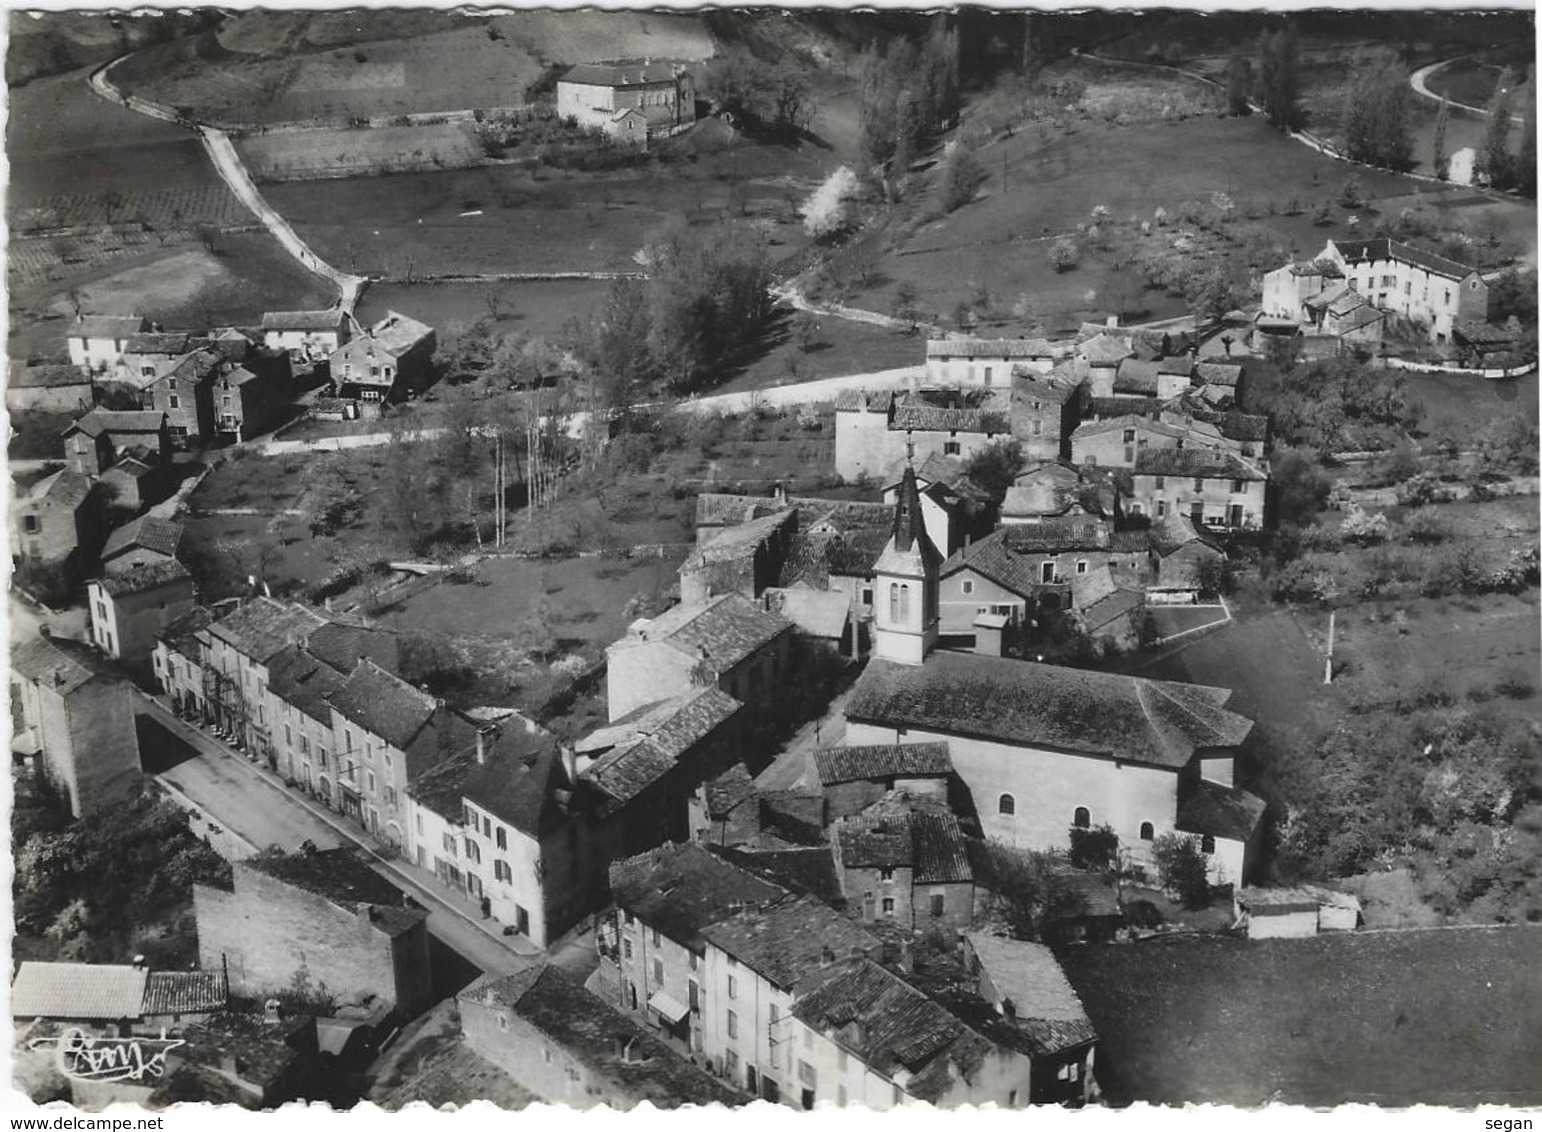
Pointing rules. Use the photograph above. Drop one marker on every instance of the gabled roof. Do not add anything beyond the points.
(1228, 812)
(728, 791)
(304, 681)
(623, 773)
(60, 664)
(863, 401)
(1178, 530)
(815, 613)
(171, 343)
(1362, 251)
(1057, 387)
(302, 320)
(106, 992)
(144, 576)
(1179, 365)
(148, 532)
(1019, 703)
(722, 631)
(714, 509)
(988, 348)
(1219, 373)
(624, 74)
(790, 941)
(398, 333)
(99, 421)
(806, 869)
(1044, 1005)
(262, 626)
(1136, 377)
(741, 540)
(912, 415)
(384, 704)
(517, 783)
(1003, 556)
(681, 888)
(107, 326)
(46, 377)
(1106, 350)
(185, 992)
(1205, 462)
(343, 879)
(883, 762)
(62, 489)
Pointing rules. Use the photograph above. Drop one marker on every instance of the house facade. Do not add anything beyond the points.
(878, 435)
(1046, 407)
(307, 336)
(985, 362)
(1213, 488)
(1020, 569)
(48, 389)
(97, 342)
(386, 361)
(129, 610)
(599, 94)
(57, 524)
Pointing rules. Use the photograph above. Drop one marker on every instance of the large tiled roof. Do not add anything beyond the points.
(1177, 530)
(879, 763)
(1207, 462)
(99, 421)
(304, 681)
(262, 626)
(1219, 373)
(1101, 407)
(815, 613)
(1045, 1006)
(878, 842)
(1360, 251)
(790, 941)
(801, 868)
(632, 73)
(1106, 350)
(1154, 722)
(715, 509)
(171, 343)
(63, 489)
(988, 348)
(740, 540)
(384, 704)
(623, 773)
(344, 645)
(919, 417)
(342, 878)
(606, 1041)
(1136, 377)
(145, 576)
(518, 783)
(181, 635)
(681, 888)
(185, 992)
(106, 326)
(105, 992)
(814, 557)
(723, 631)
(1006, 556)
(941, 852)
(1222, 811)
(301, 320)
(46, 377)
(863, 401)
(398, 333)
(148, 532)
(728, 791)
(893, 1028)
(1058, 386)
(60, 664)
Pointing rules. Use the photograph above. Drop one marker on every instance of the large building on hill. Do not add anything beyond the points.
(599, 95)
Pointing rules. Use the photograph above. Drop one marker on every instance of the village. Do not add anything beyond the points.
(410, 709)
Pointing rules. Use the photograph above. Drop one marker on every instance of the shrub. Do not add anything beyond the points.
(1182, 867)
(961, 178)
(1096, 848)
(1426, 527)
(1358, 527)
(1063, 254)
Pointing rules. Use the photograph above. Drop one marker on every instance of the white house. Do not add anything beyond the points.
(599, 94)
(984, 362)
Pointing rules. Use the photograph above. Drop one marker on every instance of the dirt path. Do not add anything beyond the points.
(227, 162)
(1419, 80)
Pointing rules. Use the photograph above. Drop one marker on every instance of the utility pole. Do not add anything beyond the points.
(1327, 677)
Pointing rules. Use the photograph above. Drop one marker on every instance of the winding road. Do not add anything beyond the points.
(1419, 80)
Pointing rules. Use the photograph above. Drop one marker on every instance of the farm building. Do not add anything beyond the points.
(248, 403)
(308, 336)
(1305, 910)
(99, 439)
(48, 389)
(1215, 489)
(97, 342)
(984, 361)
(149, 356)
(391, 357)
(877, 435)
(57, 524)
(597, 94)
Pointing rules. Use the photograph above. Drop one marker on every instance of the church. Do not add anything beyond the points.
(1043, 748)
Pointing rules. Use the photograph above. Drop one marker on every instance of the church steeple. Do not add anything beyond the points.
(905, 583)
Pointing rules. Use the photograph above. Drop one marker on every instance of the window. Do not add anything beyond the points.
(695, 961)
(950, 448)
(449, 844)
(1082, 819)
(546, 1054)
(894, 601)
(1129, 436)
(1047, 572)
(29, 524)
(904, 603)
(888, 906)
(390, 795)
(1207, 844)
(867, 595)
(175, 402)
(502, 839)
(1161, 508)
(1006, 804)
(305, 745)
(502, 872)
(967, 586)
(886, 875)
(1237, 487)
(1147, 831)
(630, 919)
(626, 948)
(733, 987)
(733, 1024)
(987, 375)
(938, 903)
(658, 972)
(654, 938)
(371, 782)
(731, 1065)
(1161, 482)
(1081, 565)
(225, 401)
(1038, 428)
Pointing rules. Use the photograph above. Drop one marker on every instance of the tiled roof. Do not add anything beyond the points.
(1104, 611)
(1207, 462)
(813, 558)
(728, 791)
(1222, 811)
(624, 772)
(790, 941)
(815, 613)
(715, 509)
(1360, 251)
(797, 815)
(1181, 365)
(1136, 377)
(171, 343)
(862, 401)
(384, 704)
(107, 326)
(633, 73)
(741, 540)
(1058, 386)
(99, 421)
(1153, 722)
(301, 320)
(148, 532)
(262, 626)
(181, 635)
(46, 377)
(941, 852)
(588, 1028)
(344, 645)
(185, 992)
(723, 631)
(803, 869)
(60, 664)
(988, 348)
(1045, 1006)
(1095, 895)
(106, 992)
(879, 763)
(145, 576)
(62, 489)
(341, 877)
(398, 333)
(1219, 373)
(878, 842)
(681, 888)
(520, 781)
(1129, 542)
(894, 1029)
(1003, 555)
(1100, 407)
(1177, 530)
(1482, 333)
(304, 681)
(1106, 350)
(918, 417)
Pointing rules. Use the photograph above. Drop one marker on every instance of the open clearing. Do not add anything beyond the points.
(1442, 1017)
(299, 155)
(1460, 407)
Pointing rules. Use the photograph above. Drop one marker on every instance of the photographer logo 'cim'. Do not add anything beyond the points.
(83, 1057)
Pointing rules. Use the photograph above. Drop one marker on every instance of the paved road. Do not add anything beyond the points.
(250, 803)
(1419, 80)
(794, 768)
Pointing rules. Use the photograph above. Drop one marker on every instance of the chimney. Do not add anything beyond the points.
(780, 494)
(483, 733)
(139, 962)
(271, 1013)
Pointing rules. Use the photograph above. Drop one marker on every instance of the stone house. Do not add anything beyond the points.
(321, 920)
(1054, 490)
(821, 619)
(98, 440)
(1023, 982)
(184, 391)
(307, 336)
(150, 356)
(1043, 748)
(178, 662)
(1229, 825)
(904, 859)
(1180, 552)
(853, 778)
(877, 435)
(130, 608)
(984, 362)
(1115, 442)
(954, 508)
(652, 952)
(386, 361)
(1213, 488)
(73, 717)
(237, 650)
(1019, 570)
(1046, 407)
(96, 342)
(248, 403)
(48, 389)
(725, 810)
(142, 541)
(57, 523)
(568, 1047)
(592, 94)
(728, 641)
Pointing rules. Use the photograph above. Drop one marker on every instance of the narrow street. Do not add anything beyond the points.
(793, 769)
(254, 805)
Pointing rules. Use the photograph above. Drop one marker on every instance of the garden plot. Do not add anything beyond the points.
(300, 155)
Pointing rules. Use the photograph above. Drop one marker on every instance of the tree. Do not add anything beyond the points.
(1239, 83)
(1279, 77)
(1182, 867)
(1030, 890)
(827, 213)
(1095, 848)
(1301, 487)
(1439, 158)
(1377, 118)
(1210, 294)
(906, 304)
(962, 177)
(1063, 254)
(1494, 160)
(995, 467)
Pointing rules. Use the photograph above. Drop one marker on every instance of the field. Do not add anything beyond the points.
(539, 308)
(1461, 407)
(1472, 80)
(838, 347)
(1394, 1018)
(301, 155)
